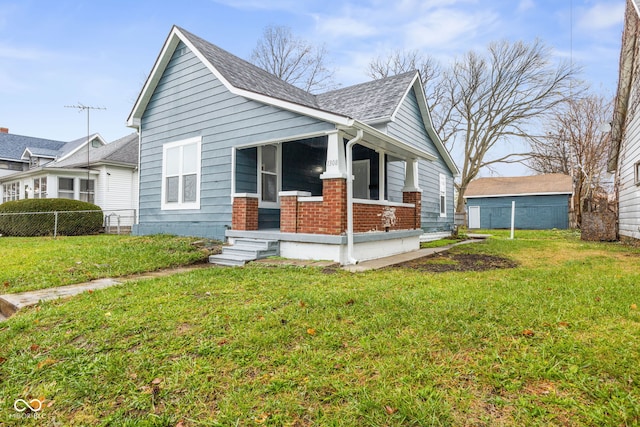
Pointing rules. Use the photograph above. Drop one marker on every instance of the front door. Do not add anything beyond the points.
(361, 179)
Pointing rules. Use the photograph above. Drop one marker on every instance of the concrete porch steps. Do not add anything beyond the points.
(244, 250)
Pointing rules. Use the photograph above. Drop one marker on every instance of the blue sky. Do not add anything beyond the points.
(98, 53)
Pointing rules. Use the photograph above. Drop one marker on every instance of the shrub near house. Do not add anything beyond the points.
(38, 217)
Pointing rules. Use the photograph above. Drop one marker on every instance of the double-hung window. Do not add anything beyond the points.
(40, 188)
(65, 188)
(443, 195)
(87, 190)
(11, 191)
(269, 172)
(181, 174)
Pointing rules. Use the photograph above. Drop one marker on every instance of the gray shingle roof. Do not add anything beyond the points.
(121, 151)
(244, 75)
(12, 146)
(373, 100)
(377, 99)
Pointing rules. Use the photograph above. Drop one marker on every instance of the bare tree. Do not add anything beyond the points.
(496, 99)
(401, 61)
(577, 144)
(487, 101)
(292, 59)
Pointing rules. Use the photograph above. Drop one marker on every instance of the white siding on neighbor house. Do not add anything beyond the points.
(189, 101)
(628, 190)
(114, 188)
(409, 128)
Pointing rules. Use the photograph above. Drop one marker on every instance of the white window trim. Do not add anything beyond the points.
(636, 173)
(180, 205)
(40, 194)
(90, 194)
(11, 191)
(72, 192)
(261, 203)
(442, 193)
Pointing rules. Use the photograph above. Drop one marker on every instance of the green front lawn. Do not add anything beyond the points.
(554, 341)
(29, 263)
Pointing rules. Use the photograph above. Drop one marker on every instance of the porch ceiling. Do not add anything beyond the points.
(377, 140)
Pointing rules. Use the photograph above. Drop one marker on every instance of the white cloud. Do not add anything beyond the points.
(446, 28)
(289, 5)
(602, 16)
(13, 52)
(343, 26)
(526, 5)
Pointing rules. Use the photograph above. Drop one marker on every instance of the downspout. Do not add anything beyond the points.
(350, 144)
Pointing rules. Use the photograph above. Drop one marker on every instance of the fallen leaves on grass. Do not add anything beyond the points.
(311, 331)
(260, 419)
(634, 306)
(390, 410)
(528, 333)
(46, 362)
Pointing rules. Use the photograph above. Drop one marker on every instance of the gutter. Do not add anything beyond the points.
(349, 149)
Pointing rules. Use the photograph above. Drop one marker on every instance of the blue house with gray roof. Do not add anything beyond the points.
(229, 151)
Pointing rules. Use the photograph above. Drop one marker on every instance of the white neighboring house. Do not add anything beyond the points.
(107, 176)
(624, 159)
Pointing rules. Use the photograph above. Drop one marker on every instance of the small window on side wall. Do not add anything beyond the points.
(181, 174)
(636, 170)
(443, 195)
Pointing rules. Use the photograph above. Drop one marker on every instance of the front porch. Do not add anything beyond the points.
(306, 195)
(307, 246)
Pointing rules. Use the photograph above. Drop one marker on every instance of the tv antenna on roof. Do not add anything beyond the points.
(81, 107)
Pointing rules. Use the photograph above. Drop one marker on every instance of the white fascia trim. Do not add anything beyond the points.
(551, 193)
(175, 36)
(428, 123)
(26, 154)
(154, 77)
(406, 150)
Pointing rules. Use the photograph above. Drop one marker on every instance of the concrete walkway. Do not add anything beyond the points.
(11, 303)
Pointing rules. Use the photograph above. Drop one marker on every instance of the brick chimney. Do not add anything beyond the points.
(4, 130)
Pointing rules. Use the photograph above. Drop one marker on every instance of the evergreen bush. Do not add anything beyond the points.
(35, 217)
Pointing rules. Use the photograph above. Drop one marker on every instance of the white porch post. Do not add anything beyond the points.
(336, 164)
(411, 176)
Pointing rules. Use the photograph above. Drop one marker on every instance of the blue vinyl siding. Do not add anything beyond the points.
(409, 128)
(532, 212)
(189, 101)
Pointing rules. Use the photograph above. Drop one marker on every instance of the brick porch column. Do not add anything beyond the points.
(289, 210)
(245, 211)
(414, 197)
(334, 205)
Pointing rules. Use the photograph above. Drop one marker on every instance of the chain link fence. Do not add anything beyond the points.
(67, 223)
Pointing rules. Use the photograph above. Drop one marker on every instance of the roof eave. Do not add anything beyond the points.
(416, 85)
(174, 38)
(548, 193)
(392, 146)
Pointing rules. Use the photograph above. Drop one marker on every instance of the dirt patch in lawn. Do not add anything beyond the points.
(444, 262)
